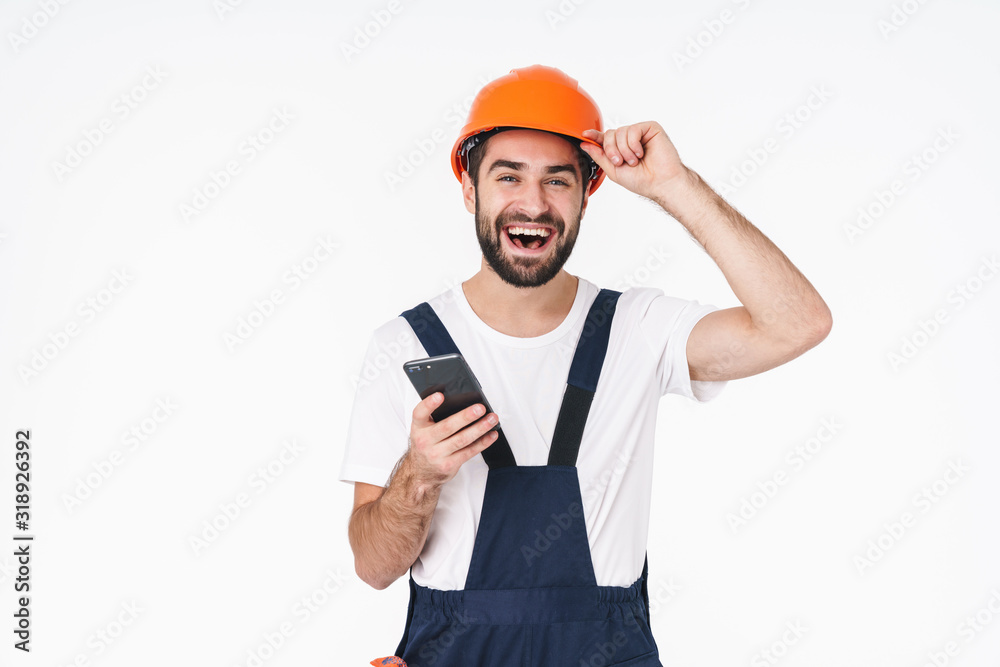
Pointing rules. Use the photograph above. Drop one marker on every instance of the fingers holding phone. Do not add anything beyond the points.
(454, 422)
(440, 448)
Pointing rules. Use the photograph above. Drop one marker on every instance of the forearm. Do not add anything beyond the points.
(778, 298)
(388, 533)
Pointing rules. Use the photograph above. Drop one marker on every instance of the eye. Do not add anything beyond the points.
(507, 176)
(558, 181)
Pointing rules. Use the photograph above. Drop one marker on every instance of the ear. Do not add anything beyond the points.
(586, 199)
(468, 193)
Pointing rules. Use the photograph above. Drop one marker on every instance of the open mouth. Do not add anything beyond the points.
(531, 238)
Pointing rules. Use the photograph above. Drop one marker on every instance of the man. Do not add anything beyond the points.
(528, 547)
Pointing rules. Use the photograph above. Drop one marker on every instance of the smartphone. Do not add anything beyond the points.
(451, 375)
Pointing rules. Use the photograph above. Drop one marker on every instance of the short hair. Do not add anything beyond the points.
(476, 153)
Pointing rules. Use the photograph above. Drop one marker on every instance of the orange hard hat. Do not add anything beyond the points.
(534, 98)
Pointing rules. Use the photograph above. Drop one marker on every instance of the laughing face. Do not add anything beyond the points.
(528, 205)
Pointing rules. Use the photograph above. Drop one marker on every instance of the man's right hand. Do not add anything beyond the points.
(438, 449)
(401, 514)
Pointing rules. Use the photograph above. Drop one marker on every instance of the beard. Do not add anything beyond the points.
(523, 271)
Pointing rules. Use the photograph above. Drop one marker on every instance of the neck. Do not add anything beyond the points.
(523, 312)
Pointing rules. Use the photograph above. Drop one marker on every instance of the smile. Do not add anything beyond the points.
(531, 239)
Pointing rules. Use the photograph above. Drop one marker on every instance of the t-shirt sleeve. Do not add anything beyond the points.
(665, 323)
(379, 428)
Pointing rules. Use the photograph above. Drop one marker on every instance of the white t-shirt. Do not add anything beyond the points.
(524, 380)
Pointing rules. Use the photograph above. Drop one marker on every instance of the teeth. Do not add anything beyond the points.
(528, 232)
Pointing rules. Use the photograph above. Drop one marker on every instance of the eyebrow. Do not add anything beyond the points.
(519, 166)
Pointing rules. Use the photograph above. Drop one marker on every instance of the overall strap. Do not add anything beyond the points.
(437, 341)
(582, 383)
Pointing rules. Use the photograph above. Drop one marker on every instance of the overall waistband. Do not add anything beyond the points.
(528, 605)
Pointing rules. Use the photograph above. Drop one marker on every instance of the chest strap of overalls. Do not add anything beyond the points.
(437, 341)
(582, 383)
(584, 372)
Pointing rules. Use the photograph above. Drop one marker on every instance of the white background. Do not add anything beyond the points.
(394, 105)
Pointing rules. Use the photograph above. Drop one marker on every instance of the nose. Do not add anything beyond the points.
(532, 200)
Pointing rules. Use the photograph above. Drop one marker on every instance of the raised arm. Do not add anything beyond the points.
(782, 314)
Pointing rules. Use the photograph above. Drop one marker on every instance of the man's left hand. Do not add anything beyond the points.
(639, 157)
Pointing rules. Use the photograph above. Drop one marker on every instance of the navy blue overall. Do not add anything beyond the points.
(531, 596)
